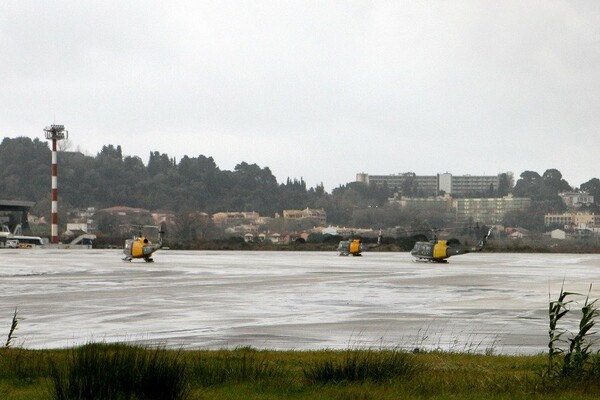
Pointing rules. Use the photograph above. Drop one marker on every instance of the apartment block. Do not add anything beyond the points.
(424, 185)
(488, 210)
(462, 185)
(433, 202)
(433, 185)
(482, 210)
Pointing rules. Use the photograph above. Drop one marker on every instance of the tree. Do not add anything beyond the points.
(24, 169)
(553, 183)
(111, 152)
(528, 185)
(319, 190)
(593, 188)
(410, 186)
(192, 226)
(159, 163)
(545, 187)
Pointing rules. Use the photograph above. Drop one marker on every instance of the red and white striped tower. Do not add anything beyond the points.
(55, 133)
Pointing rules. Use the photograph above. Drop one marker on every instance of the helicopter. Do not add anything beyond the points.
(355, 246)
(439, 250)
(140, 246)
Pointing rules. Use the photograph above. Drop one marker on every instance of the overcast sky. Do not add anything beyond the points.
(313, 89)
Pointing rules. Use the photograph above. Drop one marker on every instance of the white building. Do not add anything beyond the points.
(576, 199)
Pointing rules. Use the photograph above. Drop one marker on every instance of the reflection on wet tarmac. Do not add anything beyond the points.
(287, 300)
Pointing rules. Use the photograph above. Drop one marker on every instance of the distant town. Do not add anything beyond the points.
(195, 202)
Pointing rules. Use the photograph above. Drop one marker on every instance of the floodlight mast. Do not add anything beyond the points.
(55, 133)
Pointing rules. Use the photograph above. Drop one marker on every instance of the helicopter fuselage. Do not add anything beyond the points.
(439, 250)
(434, 251)
(139, 247)
(355, 246)
(350, 247)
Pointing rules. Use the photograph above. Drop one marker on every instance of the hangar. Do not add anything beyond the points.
(17, 206)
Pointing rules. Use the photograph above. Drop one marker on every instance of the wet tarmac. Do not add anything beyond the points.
(288, 300)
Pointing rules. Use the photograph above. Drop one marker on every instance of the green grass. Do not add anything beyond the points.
(361, 366)
(570, 370)
(120, 371)
(224, 367)
(103, 371)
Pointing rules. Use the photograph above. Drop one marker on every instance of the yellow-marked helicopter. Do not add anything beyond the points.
(140, 246)
(439, 250)
(355, 246)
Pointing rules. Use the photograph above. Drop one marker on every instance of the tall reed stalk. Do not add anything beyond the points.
(556, 310)
(577, 356)
(13, 328)
(579, 348)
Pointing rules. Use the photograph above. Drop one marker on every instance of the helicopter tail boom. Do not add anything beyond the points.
(481, 243)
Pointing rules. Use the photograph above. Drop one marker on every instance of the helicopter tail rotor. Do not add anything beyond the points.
(483, 240)
(161, 236)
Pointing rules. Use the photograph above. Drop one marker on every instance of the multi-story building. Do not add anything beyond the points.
(435, 202)
(319, 216)
(488, 210)
(576, 199)
(433, 185)
(234, 218)
(467, 184)
(573, 220)
(422, 185)
(482, 210)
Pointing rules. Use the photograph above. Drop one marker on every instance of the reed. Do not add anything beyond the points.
(578, 355)
(13, 328)
(578, 361)
(557, 309)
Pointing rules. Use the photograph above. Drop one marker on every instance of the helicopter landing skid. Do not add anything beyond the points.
(126, 259)
(433, 261)
(148, 260)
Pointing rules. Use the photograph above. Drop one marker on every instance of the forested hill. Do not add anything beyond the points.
(198, 184)
(192, 183)
(110, 179)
